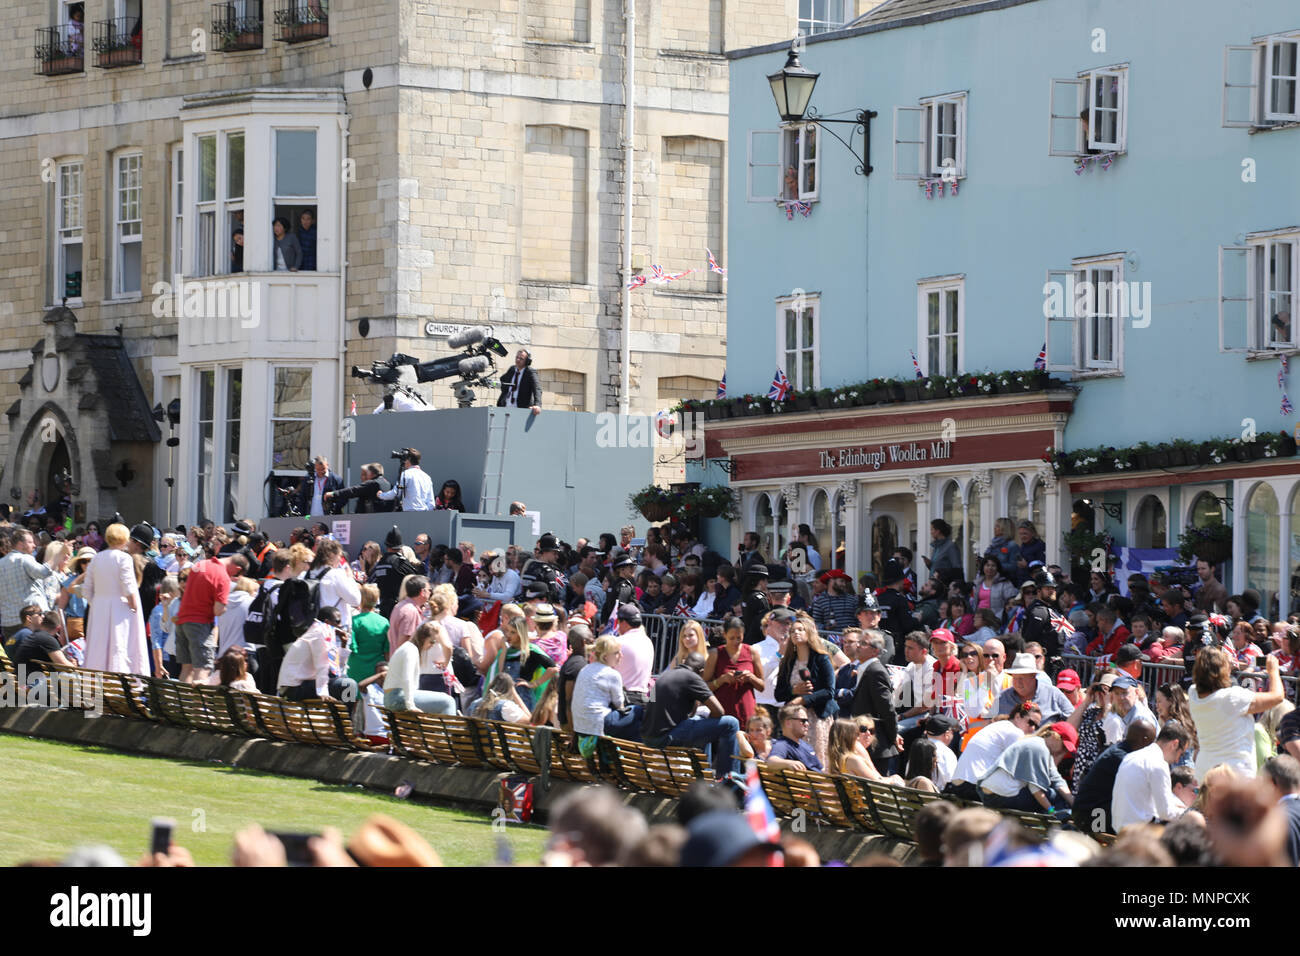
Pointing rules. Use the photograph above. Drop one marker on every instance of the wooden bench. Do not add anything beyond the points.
(200, 707)
(327, 723)
(413, 733)
(670, 771)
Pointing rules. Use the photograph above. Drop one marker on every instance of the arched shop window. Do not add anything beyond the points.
(841, 544)
(1017, 500)
(971, 550)
(1206, 510)
(951, 513)
(1149, 527)
(763, 525)
(1262, 546)
(884, 541)
(821, 525)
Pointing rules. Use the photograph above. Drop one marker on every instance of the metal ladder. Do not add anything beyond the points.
(494, 458)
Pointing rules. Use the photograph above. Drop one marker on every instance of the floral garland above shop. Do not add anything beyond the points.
(660, 504)
(877, 391)
(1174, 454)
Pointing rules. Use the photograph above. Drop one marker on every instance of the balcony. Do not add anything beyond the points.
(118, 43)
(301, 20)
(237, 25)
(60, 50)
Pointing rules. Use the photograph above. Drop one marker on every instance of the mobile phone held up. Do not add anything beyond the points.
(296, 851)
(160, 839)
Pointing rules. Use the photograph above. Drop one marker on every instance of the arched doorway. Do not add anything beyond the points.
(884, 540)
(1149, 525)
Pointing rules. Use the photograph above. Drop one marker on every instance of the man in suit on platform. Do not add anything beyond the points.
(519, 385)
(875, 697)
(372, 483)
(311, 493)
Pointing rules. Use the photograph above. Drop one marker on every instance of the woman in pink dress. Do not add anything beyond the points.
(115, 635)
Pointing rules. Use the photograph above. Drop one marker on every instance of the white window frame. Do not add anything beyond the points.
(177, 262)
(800, 161)
(206, 208)
(127, 229)
(279, 200)
(69, 235)
(943, 286)
(1084, 87)
(1082, 361)
(810, 302)
(934, 106)
(763, 176)
(810, 26)
(1248, 264)
(1271, 44)
(1259, 53)
(202, 501)
(295, 468)
(1120, 75)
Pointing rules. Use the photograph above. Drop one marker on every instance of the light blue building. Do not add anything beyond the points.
(1023, 152)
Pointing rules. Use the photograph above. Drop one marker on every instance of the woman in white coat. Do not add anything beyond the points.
(115, 635)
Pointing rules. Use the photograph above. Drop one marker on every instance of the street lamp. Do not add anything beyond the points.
(792, 88)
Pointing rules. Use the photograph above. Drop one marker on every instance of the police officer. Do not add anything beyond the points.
(1202, 631)
(1040, 597)
(621, 588)
(544, 568)
(755, 603)
(869, 620)
(389, 572)
(896, 610)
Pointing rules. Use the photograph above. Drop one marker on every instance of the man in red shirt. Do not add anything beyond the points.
(1111, 635)
(202, 602)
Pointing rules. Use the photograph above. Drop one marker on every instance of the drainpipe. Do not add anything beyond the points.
(343, 285)
(625, 335)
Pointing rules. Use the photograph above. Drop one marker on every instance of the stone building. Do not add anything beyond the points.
(463, 166)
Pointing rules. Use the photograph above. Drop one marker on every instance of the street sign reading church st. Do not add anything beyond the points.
(877, 456)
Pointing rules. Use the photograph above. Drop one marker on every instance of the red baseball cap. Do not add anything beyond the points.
(943, 634)
(1069, 736)
(1068, 680)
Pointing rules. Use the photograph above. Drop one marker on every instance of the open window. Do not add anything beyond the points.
(800, 156)
(1089, 113)
(1257, 293)
(1085, 307)
(764, 163)
(1261, 82)
(930, 138)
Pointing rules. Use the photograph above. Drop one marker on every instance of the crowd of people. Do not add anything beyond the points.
(925, 681)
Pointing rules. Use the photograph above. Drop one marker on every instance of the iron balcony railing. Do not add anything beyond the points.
(301, 20)
(119, 42)
(237, 25)
(60, 50)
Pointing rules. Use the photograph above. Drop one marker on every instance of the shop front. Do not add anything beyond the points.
(868, 480)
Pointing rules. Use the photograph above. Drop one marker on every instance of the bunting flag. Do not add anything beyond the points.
(681, 610)
(781, 387)
(759, 814)
(1040, 363)
(722, 386)
(916, 365)
(796, 205)
(1014, 624)
(953, 184)
(354, 406)
(637, 282)
(713, 265)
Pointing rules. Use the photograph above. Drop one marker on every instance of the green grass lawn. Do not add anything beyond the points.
(54, 796)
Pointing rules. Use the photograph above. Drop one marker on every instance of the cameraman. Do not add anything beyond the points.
(311, 493)
(414, 488)
(366, 493)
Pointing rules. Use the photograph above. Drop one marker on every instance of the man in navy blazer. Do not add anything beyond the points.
(520, 387)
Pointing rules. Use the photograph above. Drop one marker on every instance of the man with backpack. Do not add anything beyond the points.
(259, 630)
(389, 572)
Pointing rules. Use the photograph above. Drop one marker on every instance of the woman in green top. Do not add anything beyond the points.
(369, 634)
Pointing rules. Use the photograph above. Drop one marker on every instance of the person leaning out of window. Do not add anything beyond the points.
(288, 253)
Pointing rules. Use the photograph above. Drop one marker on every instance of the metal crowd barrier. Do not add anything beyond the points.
(1155, 673)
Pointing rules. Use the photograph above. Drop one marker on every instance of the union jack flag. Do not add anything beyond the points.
(722, 386)
(657, 274)
(354, 405)
(1287, 407)
(758, 812)
(1014, 624)
(681, 610)
(1040, 363)
(1060, 624)
(637, 282)
(916, 365)
(713, 265)
(781, 387)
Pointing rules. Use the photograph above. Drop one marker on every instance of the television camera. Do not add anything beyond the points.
(474, 367)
